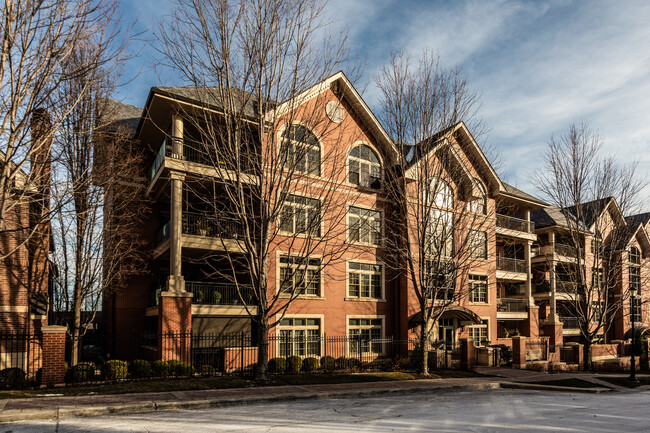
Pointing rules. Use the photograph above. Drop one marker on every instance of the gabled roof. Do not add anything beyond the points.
(641, 218)
(427, 147)
(517, 193)
(592, 210)
(210, 96)
(548, 216)
(638, 231)
(123, 117)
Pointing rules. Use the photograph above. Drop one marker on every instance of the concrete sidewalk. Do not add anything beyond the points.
(60, 407)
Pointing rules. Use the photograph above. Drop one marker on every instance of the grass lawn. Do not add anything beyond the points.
(570, 382)
(223, 382)
(624, 381)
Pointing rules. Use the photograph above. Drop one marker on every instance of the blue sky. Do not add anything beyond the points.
(539, 65)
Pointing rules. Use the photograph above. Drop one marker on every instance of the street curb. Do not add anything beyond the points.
(150, 406)
(539, 387)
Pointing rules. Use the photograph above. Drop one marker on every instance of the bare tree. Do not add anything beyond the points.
(443, 205)
(259, 70)
(594, 193)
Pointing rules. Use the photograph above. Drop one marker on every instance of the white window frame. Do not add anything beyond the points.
(365, 220)
(294, 143)
(472, 243)
(478, 205)
(485, 325)
(348, 328)
(360, 161)
(280, 266)
(480, 280)
(321, 327)
(365, 272)
(296, 209)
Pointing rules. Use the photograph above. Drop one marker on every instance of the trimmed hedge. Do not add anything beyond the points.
(310, 364)
(179, 368)
(12, 378)
(82, 372)
(140, 369)
(294, 364)
(328, 363)
(277, 365)
(160, 368)
(114, 370)
(207, 370)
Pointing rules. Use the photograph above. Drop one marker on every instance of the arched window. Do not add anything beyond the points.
(437, 192)
(635, 256)
(364, 168)
(300, 149)
(479, 204)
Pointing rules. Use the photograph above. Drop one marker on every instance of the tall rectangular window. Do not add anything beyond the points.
(440, 280)
(478, 288)
(300, 276)
(362, 332)
(300, 337)
(364, 225)
(477, 244)
(301, 215)
(479, 333)
(364, 280)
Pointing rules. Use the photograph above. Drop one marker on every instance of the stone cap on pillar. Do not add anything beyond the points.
(177, 294)
(54, 329)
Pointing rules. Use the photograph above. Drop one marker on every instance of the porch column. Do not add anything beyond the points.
(553, 280)
(177, 135)
(176, 282)
(529, 276)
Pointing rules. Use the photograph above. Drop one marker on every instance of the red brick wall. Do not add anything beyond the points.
(53, 355)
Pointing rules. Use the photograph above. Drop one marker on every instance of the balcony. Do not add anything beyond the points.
(516, 224)
(514, 309)
(511, 265)
(210, 293)
(561, 250)
(512, 305)
(570, 322)
(511, 269)
(203, 231)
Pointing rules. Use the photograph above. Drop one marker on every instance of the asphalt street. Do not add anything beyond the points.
(472, 411)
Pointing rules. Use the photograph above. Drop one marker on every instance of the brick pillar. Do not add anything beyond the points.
(530, 327)
(554, 332)
(578, 354)
(519, 352)
(53, 372)
(467, 354)
(175, 325)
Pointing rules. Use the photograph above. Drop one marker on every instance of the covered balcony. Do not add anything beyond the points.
(515, 309)
(511, 269)
(515, 227)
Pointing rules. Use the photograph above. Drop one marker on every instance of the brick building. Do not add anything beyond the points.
(512, 289)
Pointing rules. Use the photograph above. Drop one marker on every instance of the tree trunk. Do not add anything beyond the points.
(424, 345)
(587, 355)
(261, 368)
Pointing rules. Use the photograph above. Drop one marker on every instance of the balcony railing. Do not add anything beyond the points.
(193, 151)
(210, 293)
(200, 224)
(566, 287)
(570, 322)
(560, 249)
(517, 224)
(512, 305)
(511, 265)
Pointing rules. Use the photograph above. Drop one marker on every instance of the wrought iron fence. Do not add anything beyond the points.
(20, 351)
(570, 322)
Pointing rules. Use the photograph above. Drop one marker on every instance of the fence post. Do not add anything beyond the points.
(53, 372)
(519, 352)
(467, 353)
(242, 353)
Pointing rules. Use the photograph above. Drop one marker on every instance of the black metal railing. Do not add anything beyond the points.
(208, 225)
(512, 305)
(515, 289)
(219, 293)
(517, 224)
(566, 287)
(511, 265)
(24, 352)
(164, 151)
(570, 322)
